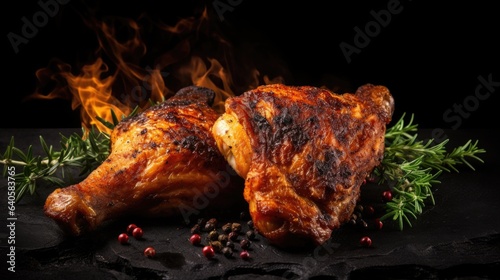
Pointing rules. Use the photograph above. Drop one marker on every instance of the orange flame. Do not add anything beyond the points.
(116, 82)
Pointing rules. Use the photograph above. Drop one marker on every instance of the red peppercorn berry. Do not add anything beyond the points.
(208, 251)
(149, 252)
(195, 239)
(137, 233)
(245, 255)
(130, 228)
(369, 211)
(366, 241)
(387, 195)
(123, 238)
(378, 224)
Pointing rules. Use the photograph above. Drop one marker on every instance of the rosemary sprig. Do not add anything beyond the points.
(75, 152)
(412, 167)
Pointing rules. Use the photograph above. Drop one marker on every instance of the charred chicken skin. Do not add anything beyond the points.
(159, 161)
(304, 153)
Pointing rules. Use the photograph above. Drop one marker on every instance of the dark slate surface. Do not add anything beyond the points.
(458, 238)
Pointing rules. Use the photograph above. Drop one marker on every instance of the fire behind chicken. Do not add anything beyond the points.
(304, 153)
(160, 161)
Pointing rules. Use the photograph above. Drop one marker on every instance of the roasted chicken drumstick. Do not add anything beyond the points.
(160, 161)
(304, 153)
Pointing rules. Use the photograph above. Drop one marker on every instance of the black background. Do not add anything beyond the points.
(429, 55)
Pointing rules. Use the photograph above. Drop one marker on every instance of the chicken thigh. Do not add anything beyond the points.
(161, 161)
(304, 153)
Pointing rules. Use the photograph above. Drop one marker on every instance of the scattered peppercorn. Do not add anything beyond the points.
(209, 227)
(149, 252)
(245, 244)
(230, 244)
(371, 178)
(212, 221)
(354, 216)
(213, 235)
(387, 196)
(233, 236)
(369, 211)
(227, 227)
(123, 238)
(245, 255)
(250, 224)
(250, 234)
(378, 224)
(223, 238)
(236, 227)
(195, 239)
(227, 252)
(137, 233)
(216, 245)
(131, 228)
(208, 251)
(363, 223)
(366, 241)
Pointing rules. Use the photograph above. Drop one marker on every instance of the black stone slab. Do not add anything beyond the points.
(457, 238)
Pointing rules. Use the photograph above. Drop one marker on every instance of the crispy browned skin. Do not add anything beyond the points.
(304, 153)
(161, 161)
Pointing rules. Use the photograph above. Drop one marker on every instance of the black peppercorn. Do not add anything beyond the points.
(245, 244)
(230, 244)
(250, 224)
(213, 235)
(233, 236)
(212, 221)
(354, 216)
(364, 223)
(227, 228)
(250, 234)
(223, 238)
(216, 245)
(209, 227)
(236, 227)
(228, 252)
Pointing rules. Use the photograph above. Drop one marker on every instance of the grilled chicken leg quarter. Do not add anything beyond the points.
(161, 160)
(304, 153)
